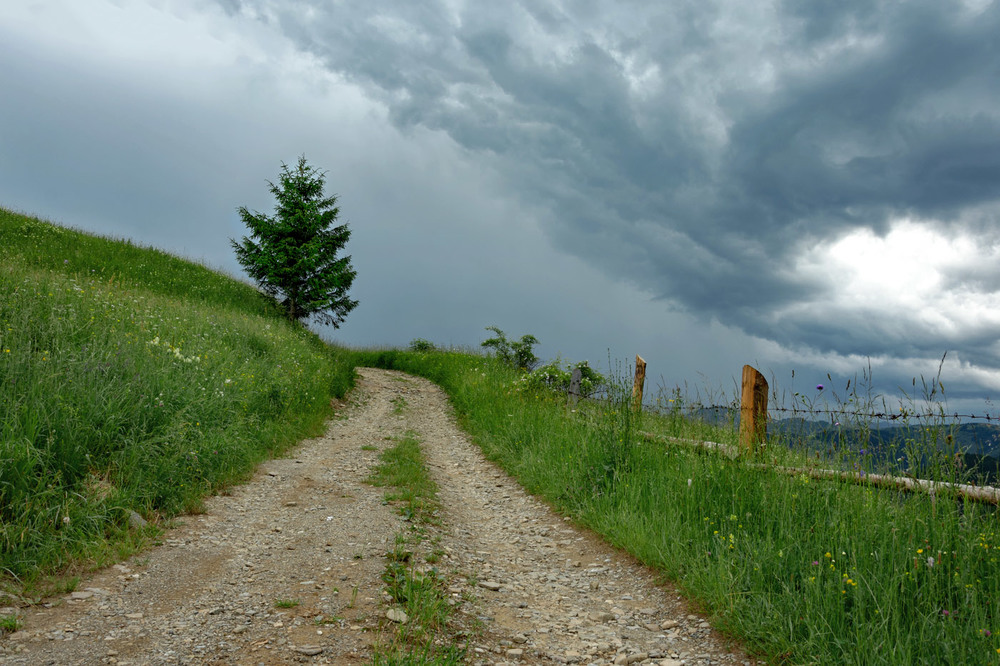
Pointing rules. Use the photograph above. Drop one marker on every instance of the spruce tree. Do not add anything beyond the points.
(292, 255)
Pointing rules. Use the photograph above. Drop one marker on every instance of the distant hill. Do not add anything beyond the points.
(890, 447)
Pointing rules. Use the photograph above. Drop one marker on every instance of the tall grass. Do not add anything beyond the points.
(132, 381)
(802, 571)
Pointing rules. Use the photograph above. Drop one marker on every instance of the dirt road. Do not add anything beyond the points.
(286, 569)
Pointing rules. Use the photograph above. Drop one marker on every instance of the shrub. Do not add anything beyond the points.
(557, 376)
(421, 345)
(518, 354)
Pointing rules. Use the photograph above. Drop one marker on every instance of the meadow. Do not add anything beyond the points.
(133, 384)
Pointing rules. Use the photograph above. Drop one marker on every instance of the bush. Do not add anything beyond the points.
(557, 376)
(518, 354)
(421, 345)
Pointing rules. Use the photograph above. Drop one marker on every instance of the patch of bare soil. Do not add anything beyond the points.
(286, 568)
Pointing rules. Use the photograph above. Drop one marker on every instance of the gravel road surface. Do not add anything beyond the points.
(286, 568)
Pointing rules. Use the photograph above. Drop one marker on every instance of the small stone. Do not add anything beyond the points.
(638, 657)
(671, 662)
(602, 617)
(134, 616)
(515, 652)
(669, 624)
(135, 520)
(621, 660)
(397, 615)
(81, 595)
(490, 585)
(309, 650)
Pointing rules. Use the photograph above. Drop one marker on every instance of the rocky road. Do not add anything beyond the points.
(286, 568)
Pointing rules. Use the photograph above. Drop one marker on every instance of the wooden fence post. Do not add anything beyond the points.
(753, 410)
(640, 381)
(574, 386)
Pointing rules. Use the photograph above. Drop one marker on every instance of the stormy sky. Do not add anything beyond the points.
(809, 186)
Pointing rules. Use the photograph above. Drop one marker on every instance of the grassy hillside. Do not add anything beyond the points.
(134, 381)
(802, 571)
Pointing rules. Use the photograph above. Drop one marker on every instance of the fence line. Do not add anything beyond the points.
(882, 416)
(753, 435)
(986, 494)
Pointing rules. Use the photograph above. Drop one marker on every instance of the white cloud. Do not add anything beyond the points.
(905, 277)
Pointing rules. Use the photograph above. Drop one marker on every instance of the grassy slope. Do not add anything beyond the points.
(802, 571)
(131, 380)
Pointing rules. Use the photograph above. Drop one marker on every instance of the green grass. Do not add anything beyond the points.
(425, 637)
(403, 469)
(286, 603)
(9, 624)
(131, 380)
(799, 570)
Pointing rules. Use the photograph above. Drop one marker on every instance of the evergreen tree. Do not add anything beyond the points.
(293, 254)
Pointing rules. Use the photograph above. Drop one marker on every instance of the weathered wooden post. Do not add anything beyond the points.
(574, 386)
(640, 381)
(753, 410)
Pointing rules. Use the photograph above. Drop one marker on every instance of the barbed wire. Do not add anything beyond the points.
(902, 415)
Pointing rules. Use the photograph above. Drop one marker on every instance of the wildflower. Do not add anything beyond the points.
(65, 520)
(819, 387)
(815, 563)
(689, 480)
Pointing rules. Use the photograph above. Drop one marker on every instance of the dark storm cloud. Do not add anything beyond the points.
(708, 154)
(841, 137)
